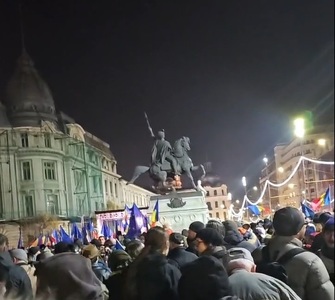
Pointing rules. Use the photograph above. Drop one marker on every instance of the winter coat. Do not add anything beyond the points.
(204, 279)
(317, 244)
(68, 276)
(156, 278)
(30, 270)
(18, 285)
(233, 238)
(256, 286)
(116, 284)
(101, 270)
(219, 253)
(307, 275)
(179, 257)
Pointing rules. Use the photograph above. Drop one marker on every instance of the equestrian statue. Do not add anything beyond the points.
(168, 163)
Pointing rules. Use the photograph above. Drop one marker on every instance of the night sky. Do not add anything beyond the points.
(231, 75)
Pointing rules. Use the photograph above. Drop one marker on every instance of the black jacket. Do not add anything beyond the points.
(157, 279)
(179, 257)
(18, 284)
(204, 279)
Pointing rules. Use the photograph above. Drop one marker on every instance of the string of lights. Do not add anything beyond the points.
(239, 215)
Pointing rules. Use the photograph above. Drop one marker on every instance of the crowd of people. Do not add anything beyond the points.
(288, 258)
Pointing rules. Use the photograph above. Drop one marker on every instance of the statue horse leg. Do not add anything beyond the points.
(202, 169)
(139, 170)
(190, 176)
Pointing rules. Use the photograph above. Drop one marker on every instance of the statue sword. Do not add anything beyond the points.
(148, 123)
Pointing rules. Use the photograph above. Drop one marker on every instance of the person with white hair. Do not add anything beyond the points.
(246, 284)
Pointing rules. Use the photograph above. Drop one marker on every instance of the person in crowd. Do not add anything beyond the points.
(20, 258)
(13, 278)
(184, 232)
(194, 228)
(62, 247)
(32, 253)
(134, 248)
(99, 267)
(247, 284)
(204, 279)
(209, 242)
(68, 276)
(44, 253)
(167, 227)
(249, 235)
(150, 276)
(234, 238)
(326, 253)
(142, 237)
(313, 280)
(102, 240)
(218, 226)
(118, 262)
(318, 239)
(178, 256)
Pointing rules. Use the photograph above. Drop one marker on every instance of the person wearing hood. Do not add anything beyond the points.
(209, 242)
(99, 267)
(234, 238)
(151, 276)
(68, 276)
(14, 278)
(319, 241)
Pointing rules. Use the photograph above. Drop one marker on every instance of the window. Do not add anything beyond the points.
(26, 170)
(207, 194)
(95, 184)
(223, 193)
(209, 205)
(210, 215)
(115, 190)
(52, 204)
(110, 187)
(24, 140)
(106, 188)
(312, 190)
(215, 192)
(216, 204)
(29, 206)
(49, 170)
(47, 140)
(217, 215)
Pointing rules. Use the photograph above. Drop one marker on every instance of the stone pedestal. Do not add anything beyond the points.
(180, 209)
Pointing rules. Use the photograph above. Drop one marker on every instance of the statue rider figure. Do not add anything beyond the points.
(162, 151)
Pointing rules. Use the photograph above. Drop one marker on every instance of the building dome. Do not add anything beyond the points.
(28, 98)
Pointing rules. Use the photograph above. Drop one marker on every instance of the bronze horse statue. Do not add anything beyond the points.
(161, 173)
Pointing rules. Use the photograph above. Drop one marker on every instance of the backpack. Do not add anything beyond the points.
(276, 268)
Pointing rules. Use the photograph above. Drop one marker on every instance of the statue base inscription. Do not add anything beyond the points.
(180, 209)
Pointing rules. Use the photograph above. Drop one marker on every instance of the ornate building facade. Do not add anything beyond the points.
(308, 181)
(48, 162)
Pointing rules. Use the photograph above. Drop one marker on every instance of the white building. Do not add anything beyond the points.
(50, 164)
(304, 184)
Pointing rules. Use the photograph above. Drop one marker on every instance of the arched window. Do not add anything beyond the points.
(215, 192)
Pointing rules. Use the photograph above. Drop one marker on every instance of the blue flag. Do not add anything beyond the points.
(105, 230)
(307, 211)
(254, 209)
(64, 237)
(137, 223)
(118, 246)
(75, 232)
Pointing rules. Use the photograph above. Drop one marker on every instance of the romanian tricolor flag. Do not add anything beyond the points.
(324, 200)
(154, 215)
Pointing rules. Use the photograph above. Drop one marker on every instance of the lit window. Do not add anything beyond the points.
(24, 140)
(26, 170)
(52, 204)
(49, 170)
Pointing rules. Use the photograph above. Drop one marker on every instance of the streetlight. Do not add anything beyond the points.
(281, 170)
(255, 188)
(265, 159)
(244, 183)
(322, 142)
(299, 131)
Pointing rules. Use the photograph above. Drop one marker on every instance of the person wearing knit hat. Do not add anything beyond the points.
(193, 229)
(313, 281)
(210, 242)
(178, 256)
(288, 221)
